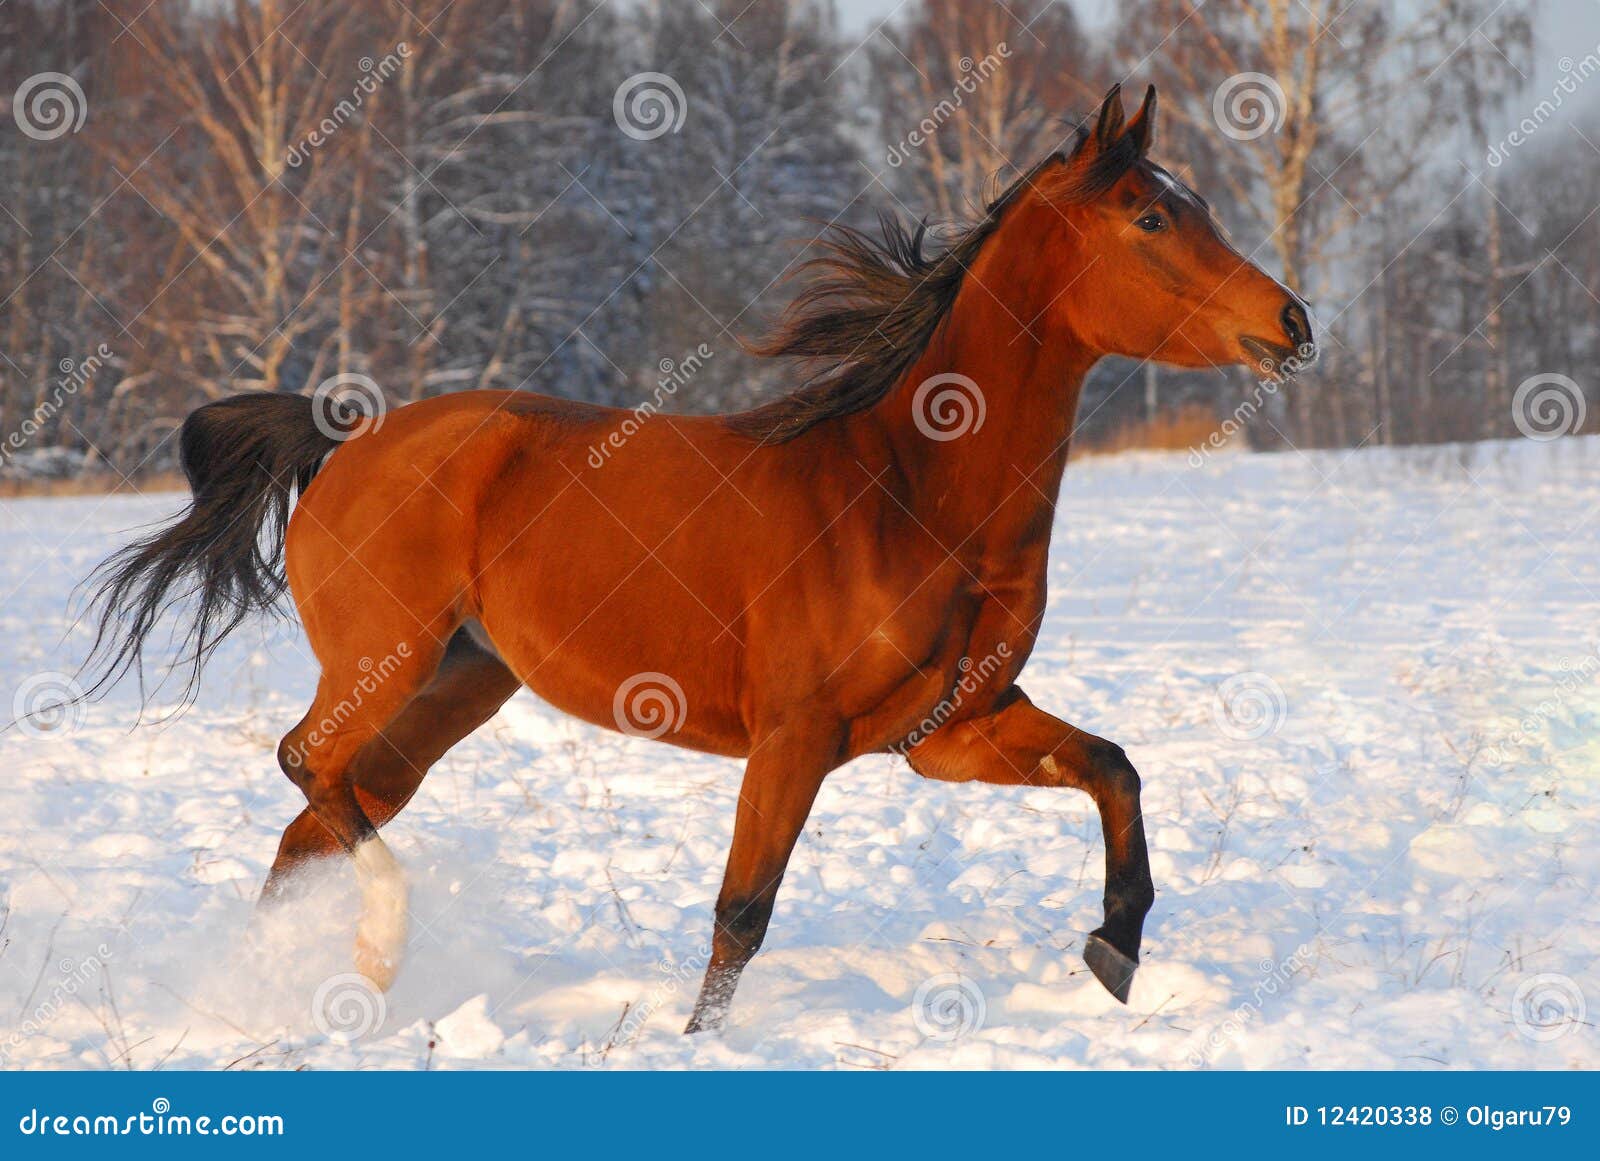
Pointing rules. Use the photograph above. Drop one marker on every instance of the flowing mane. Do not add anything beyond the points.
(875, 303)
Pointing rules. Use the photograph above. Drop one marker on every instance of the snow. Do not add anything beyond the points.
(1362, 689)
(470, 1031)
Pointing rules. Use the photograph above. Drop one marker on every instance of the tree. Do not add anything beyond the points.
(966, 92)
(1330, 110)
(231, 132)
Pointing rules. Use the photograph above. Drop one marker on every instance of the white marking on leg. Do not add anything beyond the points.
(381, 937)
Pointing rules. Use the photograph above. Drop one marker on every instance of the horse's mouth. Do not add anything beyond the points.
(1277, 360)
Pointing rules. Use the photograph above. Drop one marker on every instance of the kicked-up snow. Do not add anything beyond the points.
(1362, 689)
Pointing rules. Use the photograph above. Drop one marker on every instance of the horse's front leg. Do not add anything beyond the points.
(784, 772)
(1021, 745)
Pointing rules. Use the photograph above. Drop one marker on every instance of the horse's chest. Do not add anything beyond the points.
(917, 670)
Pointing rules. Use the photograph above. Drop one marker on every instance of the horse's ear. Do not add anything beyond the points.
(1143, 126)
(1108, 126)
(1100, 157)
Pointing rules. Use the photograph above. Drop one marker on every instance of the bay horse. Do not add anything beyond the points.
(796, 585)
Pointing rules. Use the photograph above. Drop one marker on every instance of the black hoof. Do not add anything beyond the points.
(708, 1021)
(1110, 967)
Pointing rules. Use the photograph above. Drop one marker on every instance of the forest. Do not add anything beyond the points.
(607, 201)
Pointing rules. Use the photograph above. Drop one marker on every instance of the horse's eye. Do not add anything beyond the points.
(1150, 223)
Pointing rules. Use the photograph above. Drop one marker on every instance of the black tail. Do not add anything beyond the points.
(246, 457)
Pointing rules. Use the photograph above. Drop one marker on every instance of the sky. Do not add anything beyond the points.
(1564, 22)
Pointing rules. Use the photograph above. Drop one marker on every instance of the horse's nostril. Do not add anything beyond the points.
(1296, 324)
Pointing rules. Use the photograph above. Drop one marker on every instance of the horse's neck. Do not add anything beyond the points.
(994, 484)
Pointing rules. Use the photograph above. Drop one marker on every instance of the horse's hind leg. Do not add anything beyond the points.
(470, 685)
(356, 699)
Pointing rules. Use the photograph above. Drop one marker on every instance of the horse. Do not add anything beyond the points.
(858, 567)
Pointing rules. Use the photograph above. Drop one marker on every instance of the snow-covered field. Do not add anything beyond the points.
(1362, 688)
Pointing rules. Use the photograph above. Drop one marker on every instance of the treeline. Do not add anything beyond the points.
(601, 200)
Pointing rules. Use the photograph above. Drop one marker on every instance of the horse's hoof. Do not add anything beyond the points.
(705, 1022)
(377, 966)
(1110, 967)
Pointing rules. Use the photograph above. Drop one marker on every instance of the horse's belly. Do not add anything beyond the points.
(621, 653)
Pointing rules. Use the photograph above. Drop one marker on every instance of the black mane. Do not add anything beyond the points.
(876, 302)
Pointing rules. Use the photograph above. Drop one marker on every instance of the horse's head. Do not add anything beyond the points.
(1145, 272)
